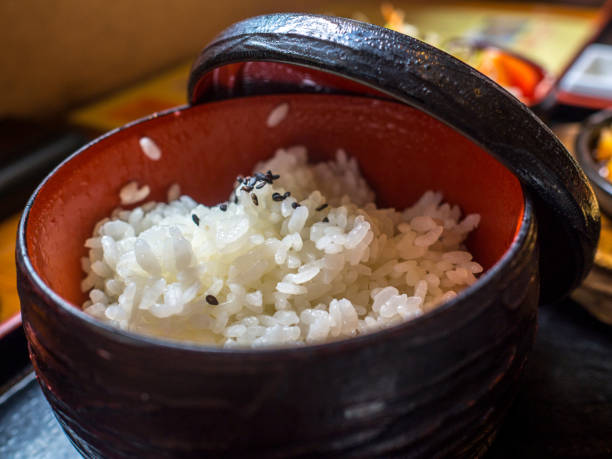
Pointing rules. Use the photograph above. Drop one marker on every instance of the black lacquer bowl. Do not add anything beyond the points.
(415, 119)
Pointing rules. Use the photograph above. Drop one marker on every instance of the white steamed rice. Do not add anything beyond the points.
(267, 271)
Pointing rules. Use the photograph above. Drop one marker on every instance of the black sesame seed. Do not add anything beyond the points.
(240, 179)
(235, 199)
(254, 199)
(211, 299)
(260, 185)
(277, 197)
(295, 205)
(251, 181)
(287, 194)
(326, 220)
(247, 188)
(321, 207)
(195, 219)
(223, 207)
(260, 176)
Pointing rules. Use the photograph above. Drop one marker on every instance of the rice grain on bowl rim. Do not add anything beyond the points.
(299, 254)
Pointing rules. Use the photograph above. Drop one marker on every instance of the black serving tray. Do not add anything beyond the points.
(28, 428)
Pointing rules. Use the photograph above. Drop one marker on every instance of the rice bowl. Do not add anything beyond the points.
(299, 255)
(180, 398)
(444, 379)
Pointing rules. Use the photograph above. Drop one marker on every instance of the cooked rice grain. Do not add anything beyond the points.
(150, 148)
(312, 259)
(277, 115)
(132, 193)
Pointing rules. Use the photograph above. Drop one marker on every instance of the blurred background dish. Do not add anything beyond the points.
(522, 77)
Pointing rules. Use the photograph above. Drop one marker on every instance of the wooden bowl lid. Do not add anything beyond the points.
(289, 53)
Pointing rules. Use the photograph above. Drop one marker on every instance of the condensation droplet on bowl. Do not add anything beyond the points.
(277, 115)
(364, 410)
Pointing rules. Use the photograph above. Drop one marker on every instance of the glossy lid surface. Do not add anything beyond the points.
(288, 53)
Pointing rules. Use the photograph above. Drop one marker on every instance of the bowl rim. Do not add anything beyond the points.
(112, 333)
(544, 84)
(593, 124)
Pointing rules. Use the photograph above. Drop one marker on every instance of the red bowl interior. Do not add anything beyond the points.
(401, 151)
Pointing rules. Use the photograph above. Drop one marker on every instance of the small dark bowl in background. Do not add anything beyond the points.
(543, 84)
(586, 143)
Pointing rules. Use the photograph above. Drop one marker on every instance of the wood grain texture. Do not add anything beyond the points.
(63, 52)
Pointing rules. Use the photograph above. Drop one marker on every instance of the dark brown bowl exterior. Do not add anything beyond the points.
(437, 386)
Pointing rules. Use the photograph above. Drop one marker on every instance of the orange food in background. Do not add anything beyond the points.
(9, 301)
(518, 76)
(394, 17)
(510, 72)
(492, 66)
